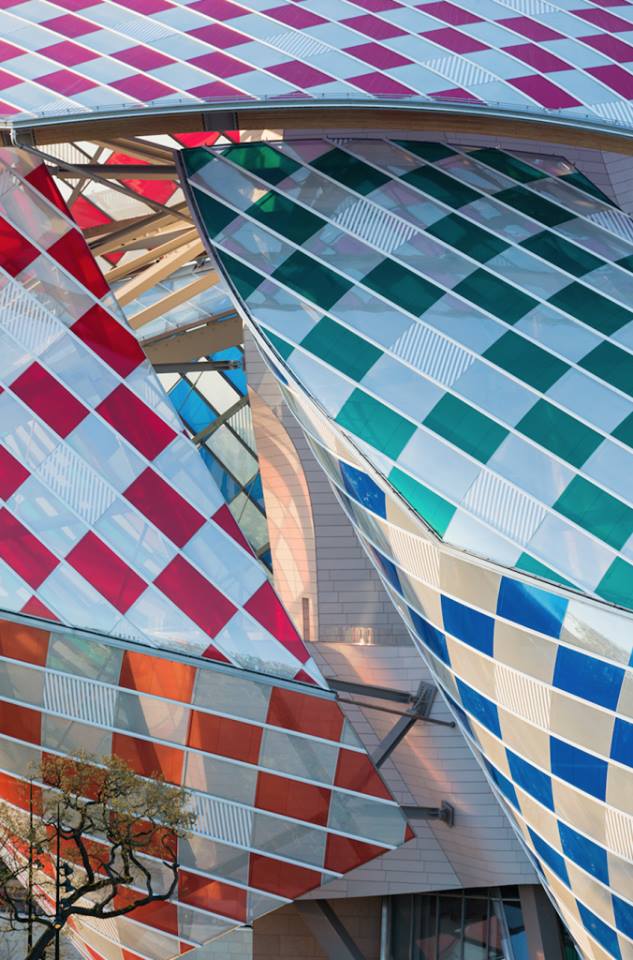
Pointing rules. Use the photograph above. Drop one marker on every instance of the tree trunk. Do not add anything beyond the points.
(38, 951)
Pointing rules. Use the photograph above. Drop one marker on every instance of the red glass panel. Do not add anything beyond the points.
(72, 253)
(22, 723)
(51, 401)
(212, 895)
(163, 678)
(12, 474)
(107, 573)
(228, 738)
(136, 422)
(161, 504)
(109, 340)
(343, 854)
(15, 250)
(291, 798)
(149, 758)
(194, 595)
(282, 879)
(266, 608)
(299, 711)
(23, 552)
(20, 642)
(355, 771)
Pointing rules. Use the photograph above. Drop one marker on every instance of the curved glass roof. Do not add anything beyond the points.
(464, 314)
(568, 58)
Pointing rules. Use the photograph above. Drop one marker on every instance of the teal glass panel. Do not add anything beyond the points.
(286, 217)
(597, 511)
(526, 360)
(213, 214)
(341, 348)
(375, 423)
(464, 426)
(242, 277)
(312, 280)
(496, 296)
(555, 430)
(508, 165)
(468, 237)
(350, 171)
(439, 185)
(617, 583)
(403, 287)
(563, 254)
(532, 205)
(530, 564)
(592, 308)
(262, 160)
(437, 511)
(611, 364)
(427, 149)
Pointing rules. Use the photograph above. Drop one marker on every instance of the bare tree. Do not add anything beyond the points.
(89, 838)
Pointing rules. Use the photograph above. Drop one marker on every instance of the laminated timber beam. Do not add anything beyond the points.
(363, 116)
(207, 338)
(117, 171)
(153, 253)
(163, 268)
(199, 285)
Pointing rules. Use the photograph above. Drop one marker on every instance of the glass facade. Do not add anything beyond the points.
(426, 327)
(481, 924)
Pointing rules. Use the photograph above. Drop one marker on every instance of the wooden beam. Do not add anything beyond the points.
(356, 117)
(141, 149)
(117, 171)
(201, 283)
(204, 340)
(140, 228)
(160, 270)
(131, 266)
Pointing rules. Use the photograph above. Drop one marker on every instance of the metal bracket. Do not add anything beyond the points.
(420, 710)
(445, 813)
(220, 120)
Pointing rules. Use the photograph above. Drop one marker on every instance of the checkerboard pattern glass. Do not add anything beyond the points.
(109, 520)
(565, 57)
(285, 795)
(113, 531)
(452, 329)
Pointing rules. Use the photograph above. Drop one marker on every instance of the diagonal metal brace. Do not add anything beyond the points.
(420, 710)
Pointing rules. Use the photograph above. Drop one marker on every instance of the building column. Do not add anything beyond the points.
(542, 926)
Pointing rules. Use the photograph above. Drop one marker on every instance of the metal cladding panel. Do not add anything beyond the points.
(285, 795)
(552, 58)
(439, 321)
(109, 520)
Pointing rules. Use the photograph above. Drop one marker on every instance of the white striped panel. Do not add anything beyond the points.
(462, 73)
(615, 221)
(432, 354)
(70, 478)
(619, 832)
(418, 557)
(79, 699)
(222, 820)
(523, 695)
(530, 8)
(242, 423)
(296, 44)
(374, 225)
(509, 510)
(26, 320)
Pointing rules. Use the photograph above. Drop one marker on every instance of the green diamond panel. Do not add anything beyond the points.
(403, 287)
(594, 310)
(464, 426)
(350, 171)
(508, 165)
(597, 511)
(341, 348)
(555, 430)
(563, 254)
(526, 360)
(375, 423)
(612, 364)
(495, 295)
(532, 205)
(439, 185)
(309, 278)
(437, 511)
(286, 217)
(468, 237)
(262, 160)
